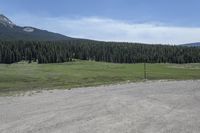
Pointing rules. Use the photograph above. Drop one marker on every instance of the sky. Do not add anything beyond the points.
(145, 21)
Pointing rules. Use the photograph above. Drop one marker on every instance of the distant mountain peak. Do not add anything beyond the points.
(196, 44)
(5, 21)
(10, 31)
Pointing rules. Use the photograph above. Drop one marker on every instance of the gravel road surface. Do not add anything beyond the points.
(149, 107)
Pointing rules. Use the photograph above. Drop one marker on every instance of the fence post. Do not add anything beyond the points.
(145, 71)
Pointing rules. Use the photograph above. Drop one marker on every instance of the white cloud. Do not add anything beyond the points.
(113, 30)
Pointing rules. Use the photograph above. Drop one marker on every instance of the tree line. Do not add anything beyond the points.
(64, 51)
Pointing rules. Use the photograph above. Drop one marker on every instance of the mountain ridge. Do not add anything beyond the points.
(11, 31)
(196, 44)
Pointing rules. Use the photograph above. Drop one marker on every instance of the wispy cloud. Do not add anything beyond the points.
(113, 30)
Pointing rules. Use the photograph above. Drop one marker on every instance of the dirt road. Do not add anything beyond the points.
(150, 107)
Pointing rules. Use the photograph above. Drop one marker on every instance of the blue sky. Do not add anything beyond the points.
(150, 21)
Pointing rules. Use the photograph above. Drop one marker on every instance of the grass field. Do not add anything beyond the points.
(23, 76)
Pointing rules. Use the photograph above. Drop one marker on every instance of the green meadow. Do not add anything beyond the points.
(23, 76)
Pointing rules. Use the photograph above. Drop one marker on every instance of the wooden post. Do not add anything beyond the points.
(145, 72)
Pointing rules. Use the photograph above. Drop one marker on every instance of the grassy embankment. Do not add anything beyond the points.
(24, 76)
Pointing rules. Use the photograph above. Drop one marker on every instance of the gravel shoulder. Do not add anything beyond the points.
(146, 107)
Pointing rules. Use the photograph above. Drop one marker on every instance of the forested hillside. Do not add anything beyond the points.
(64, 51)
(47, 47)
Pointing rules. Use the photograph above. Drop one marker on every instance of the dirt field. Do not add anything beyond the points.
(150, 107)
